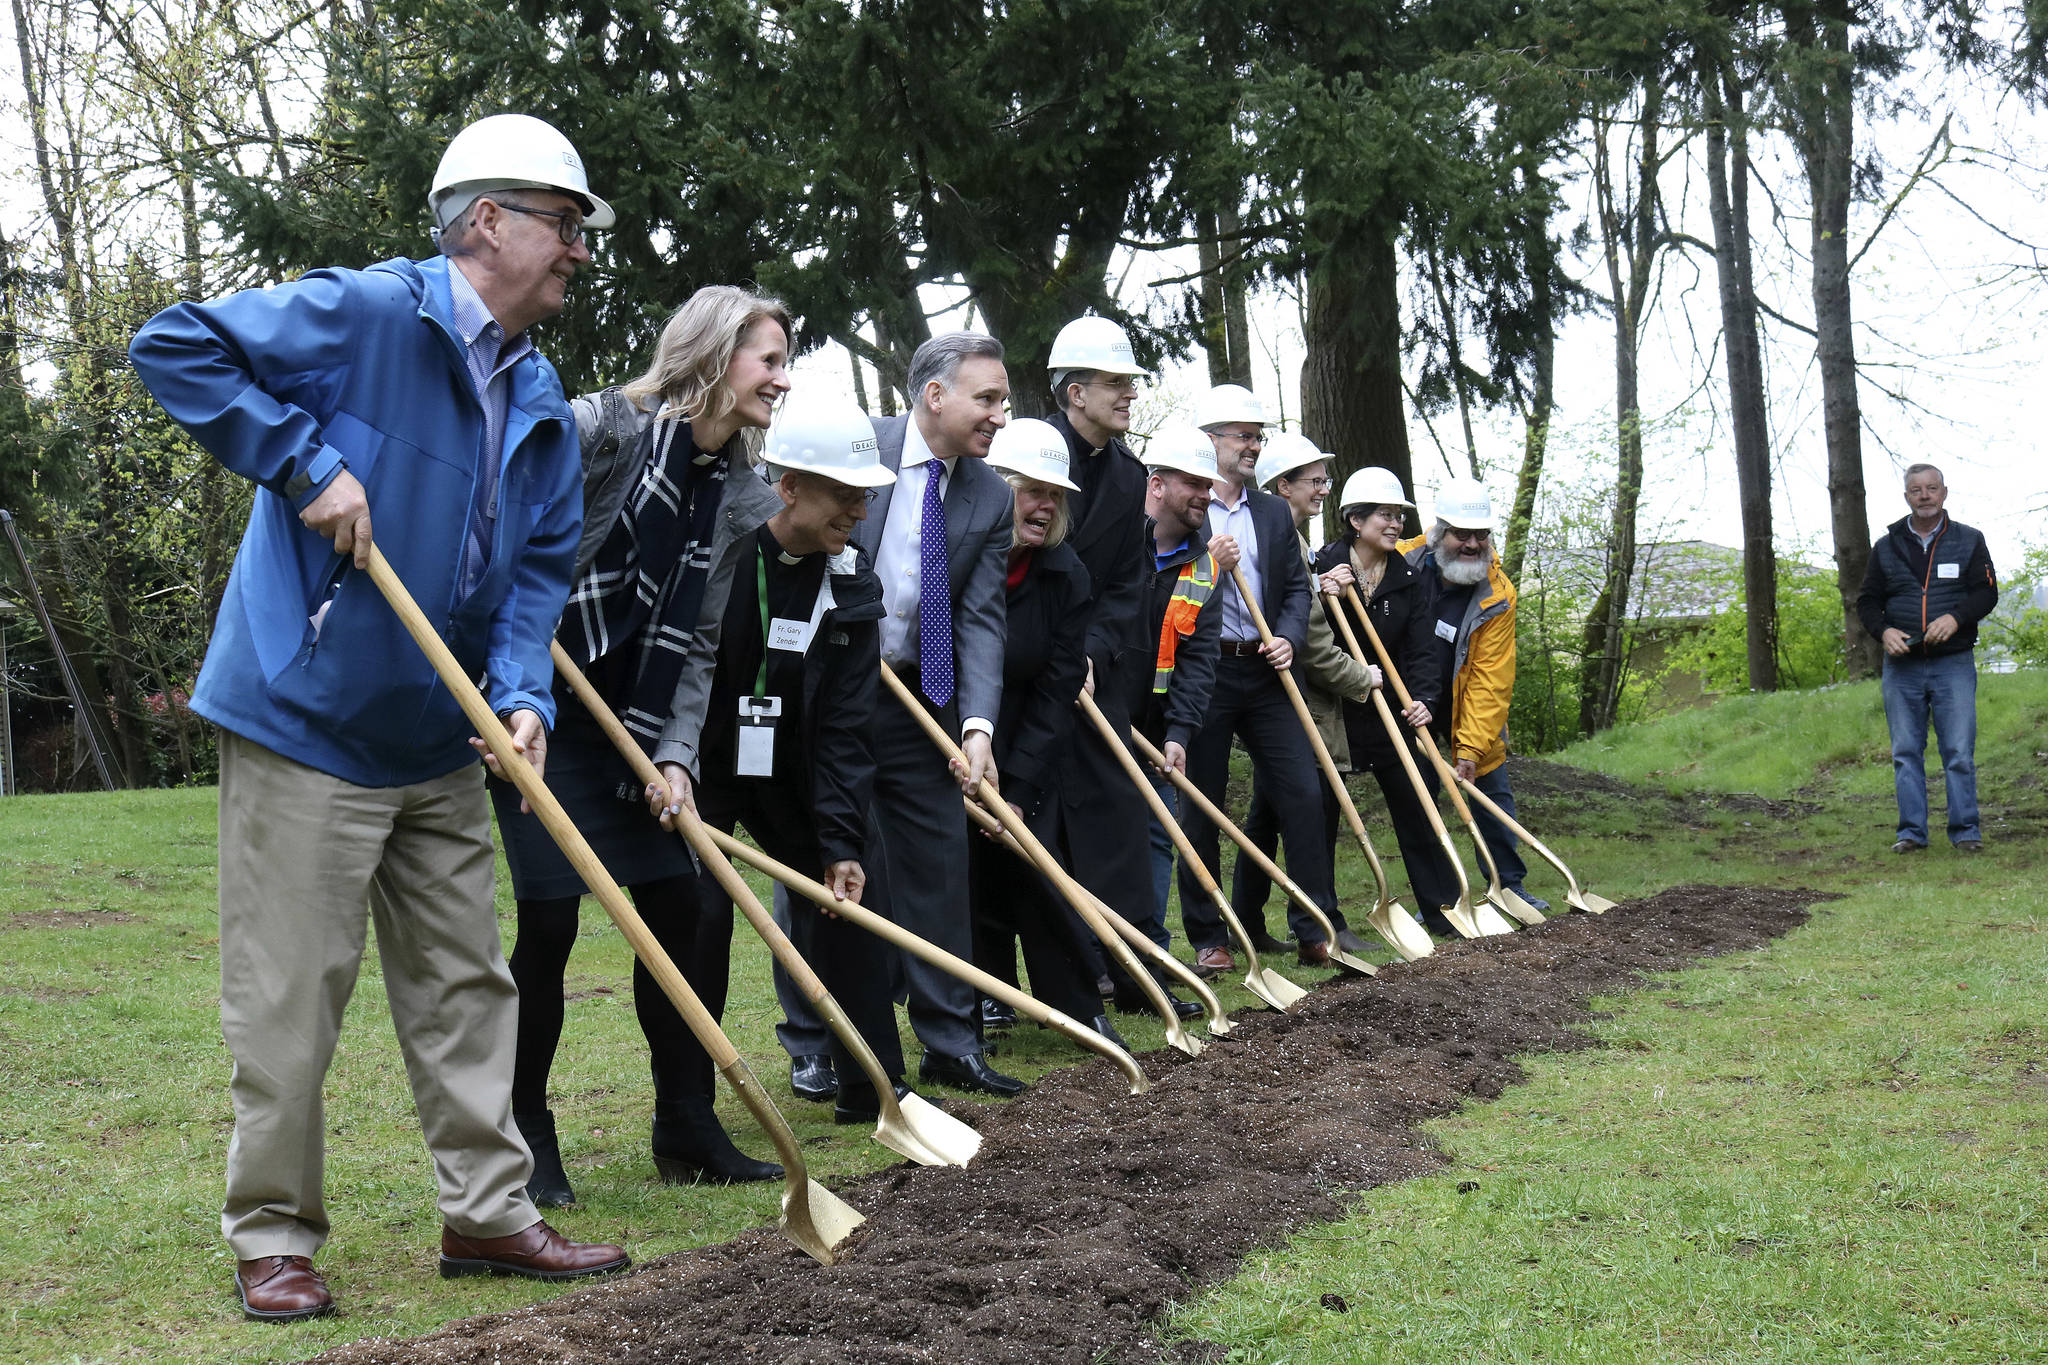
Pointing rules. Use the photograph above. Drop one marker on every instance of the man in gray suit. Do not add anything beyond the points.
(940, 537)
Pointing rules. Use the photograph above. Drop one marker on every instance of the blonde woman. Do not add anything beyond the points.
(670, 498)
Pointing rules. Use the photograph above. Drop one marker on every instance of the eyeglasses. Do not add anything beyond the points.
(850, 497)
(1115, 383)
(568, 222)
(1478, 537)
(1317, 485)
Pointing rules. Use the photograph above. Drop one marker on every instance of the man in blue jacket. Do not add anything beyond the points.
(1928, 583)
(347, 774)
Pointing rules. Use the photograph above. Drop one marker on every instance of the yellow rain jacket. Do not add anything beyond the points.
(1482, 669)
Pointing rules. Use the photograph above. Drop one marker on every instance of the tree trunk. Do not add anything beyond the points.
(1236, 322)
(1728, 203)
(1828, 148)
(1536, 420)
(1215, 323)
(1351, 399)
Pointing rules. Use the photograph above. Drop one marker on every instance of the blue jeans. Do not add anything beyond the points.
(1500, 840)
(1163, 851)
(1944, 688)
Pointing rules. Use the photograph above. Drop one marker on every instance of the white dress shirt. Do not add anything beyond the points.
(897, 561)
(1225, 520)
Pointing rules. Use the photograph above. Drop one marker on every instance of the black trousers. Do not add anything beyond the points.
(1015, 905)
(1104, 833)
(853, 963)
(1430, 876)
(1250, 704)
(696, 938)
(1250, 887)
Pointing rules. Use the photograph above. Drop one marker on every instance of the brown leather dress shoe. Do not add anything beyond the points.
(1315, 954)
(539, 1253)
(1214, 962)
(281, 1289)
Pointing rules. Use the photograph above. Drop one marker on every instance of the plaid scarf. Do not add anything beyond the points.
(633, 614)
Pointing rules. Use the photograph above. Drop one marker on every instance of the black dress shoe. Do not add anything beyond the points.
(548, 1186)
(996, 1016)
(1266, 943)
(1100, 1023)
(812, 1078)
(690, 1144)
(971, 1072)
(1137, 1002)
(858, 1102)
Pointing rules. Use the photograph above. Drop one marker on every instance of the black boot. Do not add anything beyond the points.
(548, 1186)
(690, 1144)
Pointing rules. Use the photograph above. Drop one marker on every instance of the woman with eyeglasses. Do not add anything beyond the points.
(1045, 664)
(670, 499)
(1365, 556)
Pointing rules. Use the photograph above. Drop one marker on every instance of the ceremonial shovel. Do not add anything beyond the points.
(911, 1126)
(1471, 920)
(1251, 850)
(1218, 1021)
(1263, 982)
(1072, 890)
(1395, 926)
(1575, 898)
(812, 1216)
(1497, 893)
(910, 943)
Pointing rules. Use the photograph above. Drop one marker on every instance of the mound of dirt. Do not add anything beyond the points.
(1090, 1210)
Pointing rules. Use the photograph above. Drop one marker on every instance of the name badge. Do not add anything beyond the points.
(754, 753)
(1948, 571)
(784, 633)
(1446, 631)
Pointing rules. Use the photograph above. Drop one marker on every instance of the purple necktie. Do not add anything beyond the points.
(934, 595)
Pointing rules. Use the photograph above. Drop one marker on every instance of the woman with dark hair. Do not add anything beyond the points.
(670, 499)
(1372, 507)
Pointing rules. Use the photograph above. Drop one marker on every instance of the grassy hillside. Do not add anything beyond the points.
(1830, 1150)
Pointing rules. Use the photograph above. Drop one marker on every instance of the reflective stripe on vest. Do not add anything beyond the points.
(1197, 583)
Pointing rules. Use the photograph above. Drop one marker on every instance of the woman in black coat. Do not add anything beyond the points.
(1044, 667)
(1365, 557)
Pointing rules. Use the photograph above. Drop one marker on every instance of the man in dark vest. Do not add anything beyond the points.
(1928, 584)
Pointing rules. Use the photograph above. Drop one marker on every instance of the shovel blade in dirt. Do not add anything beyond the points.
(818, 1221)
(1515, 905)
(1273, 988)
(1399, 931)
(950, 1142)
(1587, 901)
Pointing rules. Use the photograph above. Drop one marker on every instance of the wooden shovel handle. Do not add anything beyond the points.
(552, 816)
(729, 880)
(1393, 676)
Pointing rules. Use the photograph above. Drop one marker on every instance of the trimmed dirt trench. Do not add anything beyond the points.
(1090, 1210)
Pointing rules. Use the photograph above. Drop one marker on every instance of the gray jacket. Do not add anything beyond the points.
(617, 439)
(977, 563)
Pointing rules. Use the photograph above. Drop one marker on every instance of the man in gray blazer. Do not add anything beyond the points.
(942, 633)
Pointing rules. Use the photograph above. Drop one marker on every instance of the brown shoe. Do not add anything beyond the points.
(539, 1253)
(1315, 954)
(1214, 962)
(281, 1289)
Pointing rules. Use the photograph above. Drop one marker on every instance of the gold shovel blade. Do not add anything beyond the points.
(1352, 962)
(1489, 920)
(817, 1220)
(1255, 982)
(1180, 1040)
(948, 1141)
(1399, 931)
(1515, 906)
(1590, 903)
(1280, 988)
(1462, 919)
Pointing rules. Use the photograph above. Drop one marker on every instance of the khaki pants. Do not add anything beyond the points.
(301, 853)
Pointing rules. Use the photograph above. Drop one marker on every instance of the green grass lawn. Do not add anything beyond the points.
(1834, 1149)
(1831, 1150)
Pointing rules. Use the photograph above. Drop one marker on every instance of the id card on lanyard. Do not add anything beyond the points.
(759, 714)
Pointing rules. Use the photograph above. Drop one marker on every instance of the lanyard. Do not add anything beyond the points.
(761, 590)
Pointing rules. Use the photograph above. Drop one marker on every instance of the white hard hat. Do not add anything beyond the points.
(1034, 449)
(1184, 449)
(1373, 487)
(1465, 504)
(510, 152)
(1285, 452)
(1228, 403)
(829, 436)
(1093, 343)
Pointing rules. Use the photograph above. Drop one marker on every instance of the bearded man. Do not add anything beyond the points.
(1474, 609)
